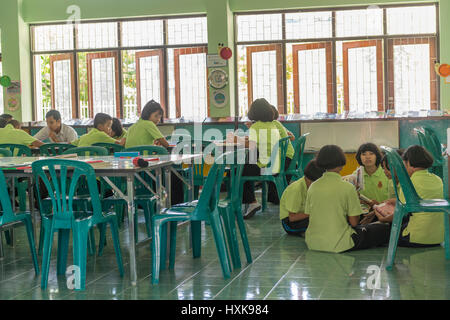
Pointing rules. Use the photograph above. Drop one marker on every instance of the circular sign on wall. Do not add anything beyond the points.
(218, 79)
(220, 98)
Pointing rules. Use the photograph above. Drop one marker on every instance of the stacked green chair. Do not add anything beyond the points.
(19, 150)
(295, 169)
(62, 187)
(231, 212)
(8, 217)
(279, 179)
(111, 147)
(436, 149)
(54, 149)
(413, 203)
(5, 153)
(205, 209)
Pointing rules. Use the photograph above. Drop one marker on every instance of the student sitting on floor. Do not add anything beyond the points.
(420, 229)
(55, 130)
(99, 134)
(8, 134)
(117, 130)
(292, 204)
(333, 207)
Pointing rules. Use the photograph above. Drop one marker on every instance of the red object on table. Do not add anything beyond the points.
(95, 161)
(151, 159)
(23, 168)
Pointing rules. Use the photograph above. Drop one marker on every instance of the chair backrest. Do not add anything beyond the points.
(209, 198)
(398, 170)
(278, 152)
(54, 149)
(18, 150)
(111, 147)
(5, 201)
(148, 150)
(175, 138)
(299, 150)
(435, 144)
(87, 151)
(5, 152)
(61, 177)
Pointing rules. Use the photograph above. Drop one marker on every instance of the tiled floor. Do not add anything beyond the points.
(282, 268)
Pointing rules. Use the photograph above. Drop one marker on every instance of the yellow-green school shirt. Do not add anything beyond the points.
(123, 135)
(425, 227)
(265, 135)
(391, 190)
(283, 134)
(376, 185)
(9, 134)
(93, 136)
(330, 200)
(293, 198)
(143, 132)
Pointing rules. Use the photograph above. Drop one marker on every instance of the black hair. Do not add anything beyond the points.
(418, 157)
(384, 161)
(260, 110)
(101, 118)
(54, 114)
(151, 107)
(312, 171)
(369, 147)
(117, 127)
(14, 123)
(3, 122)
(6, 116)
(330, 157)
(276, 114)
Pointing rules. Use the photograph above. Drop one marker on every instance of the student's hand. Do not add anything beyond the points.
(391, 202)
(157, 143)
(121, 141)
(291, 136)
(52, 136)
(382, 218)
(248, 124)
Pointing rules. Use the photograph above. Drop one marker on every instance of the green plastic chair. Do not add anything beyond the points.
(5, 153)
(111, 147)
(87, 151)
(279, 179)
(148, 150)
(295, 169)
(54, 149)
(436, 149)
(231, 211)
(176, 138)
(205, 209)
(8, 217)
(19, 150)
(62, 187)
(413, 204)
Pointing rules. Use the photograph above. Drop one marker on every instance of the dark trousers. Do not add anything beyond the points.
(295, 228)
(272, 193)
(371, 235)
(404, 241)
(248, 194)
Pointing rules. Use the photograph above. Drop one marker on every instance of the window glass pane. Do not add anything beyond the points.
(2, 110)
(412, 77)
(367, 22)
(242, 80)
(97, 35)
(187, 31)
(62, 89)
(42, 85)
(411, 20)
(142, 33)
(264, 76)
(129, 85)
(53, 37)
(308, 25)
(259, 27)
(104, 86)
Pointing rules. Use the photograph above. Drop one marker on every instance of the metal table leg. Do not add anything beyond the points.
(131, 235)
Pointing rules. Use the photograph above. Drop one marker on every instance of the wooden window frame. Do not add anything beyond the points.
(279, 60)
(329, 71)
(162, 81)
(434, 104)
(60, 57)
(103, 55)
(380, 84)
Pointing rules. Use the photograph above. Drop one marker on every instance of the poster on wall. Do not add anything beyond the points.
(13, 96)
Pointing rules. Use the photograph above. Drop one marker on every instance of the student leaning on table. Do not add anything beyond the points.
(99, 134)
(56, 131)
(8, 134)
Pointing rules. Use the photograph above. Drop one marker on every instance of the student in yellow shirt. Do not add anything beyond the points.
(375, 181)
(420, 229)
(333, 207)
(117, 130)
(292, 203)
(99, 134)
(9, 134)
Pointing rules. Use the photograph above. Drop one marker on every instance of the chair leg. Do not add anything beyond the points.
(102, 241)
(243, 232)
(2, 254)
(80, 244)
(147, 216)
(173, 243)
(48, 242)
(30, 235)
(264, 196)
(221, 247)
(41, 237)
(156, 251)
(230, 230)
(447, 235)
(63, 248)
(163, 249)
(91, 241)
(395, 233)
(115, 236)
(196, 233)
